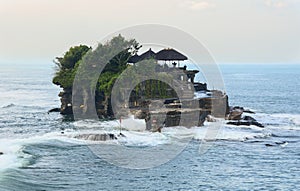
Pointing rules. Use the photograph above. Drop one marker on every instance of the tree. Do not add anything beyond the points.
(81, 65)
(66, 65)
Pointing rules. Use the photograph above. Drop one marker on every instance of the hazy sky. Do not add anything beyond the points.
(233, 30)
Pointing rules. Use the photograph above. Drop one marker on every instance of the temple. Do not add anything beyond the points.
(188, 109)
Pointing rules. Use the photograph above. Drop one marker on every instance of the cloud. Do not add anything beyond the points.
(276, 4)
(197, 4)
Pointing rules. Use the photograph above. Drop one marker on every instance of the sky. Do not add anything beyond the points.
(234, 31)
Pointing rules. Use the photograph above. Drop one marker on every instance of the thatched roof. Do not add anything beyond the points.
(170, 54)
(147, 55)
(134, 59)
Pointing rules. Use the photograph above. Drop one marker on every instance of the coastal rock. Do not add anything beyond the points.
(249, 111)
(54, 110)
(241, 108)
(269, 145)
(247, 121)
(66, 101)
(97, 137)
(140, 114)
(1, 153)
(281, 144)
(248, 118)
(235, 114)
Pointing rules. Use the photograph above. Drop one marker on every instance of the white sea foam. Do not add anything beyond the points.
(292, 118)
(129, 123)
(143, 139)
(136, 136)
(133, 124)
(280, 121)
(201, 94)
(13, 156)
(10, 149)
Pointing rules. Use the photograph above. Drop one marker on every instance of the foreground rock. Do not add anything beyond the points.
(97, 137)
(54, 110)
(247, 121)
(235, 115)
(281, 144)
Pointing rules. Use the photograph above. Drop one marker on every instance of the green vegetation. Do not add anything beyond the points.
(81, 64)
(66, 66)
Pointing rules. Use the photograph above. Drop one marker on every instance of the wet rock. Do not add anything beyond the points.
(281, 144)
(54, 110)
(1, 153)
(235, 114)
(121, 135)
(249, 111)
(245, 123)
(269, 145)
(66, 100)
(236, 107)
(97, 137)
(140, 114)
(249, 118)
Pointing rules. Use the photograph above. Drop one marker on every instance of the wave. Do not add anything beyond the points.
(279, 120)
(15, 156)
(10, 150)
(8, 106)
(13, 105)
(293, 119)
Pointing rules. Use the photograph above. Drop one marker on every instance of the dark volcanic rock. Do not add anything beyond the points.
(269, 145)
(66, 102)
(97, 137)
(235, 114)
(248, 118)
(249, 111)
(246, 123)
(283, 143)
(54, 110)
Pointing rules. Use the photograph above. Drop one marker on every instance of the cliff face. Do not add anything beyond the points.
(102, 103)
(187, 113)
(217, 105)
(66, 101)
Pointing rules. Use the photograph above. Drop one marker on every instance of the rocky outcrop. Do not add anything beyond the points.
(235, 115)
(186, 112)
(54, 110)
(97, 137)
(282, 144)
(66, 101)
(217, 104)
(245, 123)
(1, 153)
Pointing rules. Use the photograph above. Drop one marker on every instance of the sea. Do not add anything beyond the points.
(41, 151)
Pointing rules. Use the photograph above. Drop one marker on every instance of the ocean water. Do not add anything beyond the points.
(38, 157)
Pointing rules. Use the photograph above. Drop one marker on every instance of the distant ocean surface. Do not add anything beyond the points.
(38, 157)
